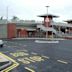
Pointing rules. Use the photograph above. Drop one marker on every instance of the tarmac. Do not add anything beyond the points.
(38, 55)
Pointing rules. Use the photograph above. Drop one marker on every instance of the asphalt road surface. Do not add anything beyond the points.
(39, 57)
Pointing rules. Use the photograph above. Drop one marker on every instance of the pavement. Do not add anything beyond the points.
(31, 56)
(35, 38)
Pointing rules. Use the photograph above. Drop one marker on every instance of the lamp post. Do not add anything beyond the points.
(7, 14)
(47, 20)
(47, 10)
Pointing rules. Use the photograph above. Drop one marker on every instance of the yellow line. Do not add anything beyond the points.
(62, 61)
(29, 69)
(10, 67)
(7, 57)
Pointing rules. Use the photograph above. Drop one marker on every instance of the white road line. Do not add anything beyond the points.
(39, 41)
(61, 61)
(31, 70)
(46, 57)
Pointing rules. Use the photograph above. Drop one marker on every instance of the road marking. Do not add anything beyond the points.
(24, 61)
(15, 64)
(18, 54)
(37, 58)
(61, 61)
(10, 68)
(38, 41)
(32, 59)
(46, 57)
(26, 58)
(31, 70)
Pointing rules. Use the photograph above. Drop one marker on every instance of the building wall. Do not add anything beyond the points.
(31, 33)
(11, 29)
(22, 33)
(3, 30)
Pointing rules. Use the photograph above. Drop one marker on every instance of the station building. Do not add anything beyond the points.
(30, 28)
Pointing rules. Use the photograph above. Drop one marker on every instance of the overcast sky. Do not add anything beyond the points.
(29, 9)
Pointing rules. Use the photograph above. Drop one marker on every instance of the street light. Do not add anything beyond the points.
(47, 20)
(47, 10)
(7, 14)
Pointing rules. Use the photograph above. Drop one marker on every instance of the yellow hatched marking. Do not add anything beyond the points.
(17, 54)
(37, 58)
(24, 61)
(31, 70)
(29, 59)
(10, 67)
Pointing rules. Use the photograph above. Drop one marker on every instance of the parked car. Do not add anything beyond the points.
(1, 43)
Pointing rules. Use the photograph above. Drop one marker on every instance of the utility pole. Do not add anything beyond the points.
(47, 22)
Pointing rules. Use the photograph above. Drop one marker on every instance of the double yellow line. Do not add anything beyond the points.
(15, 64)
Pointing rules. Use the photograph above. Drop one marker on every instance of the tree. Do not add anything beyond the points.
(15, 18)
(1, 18)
